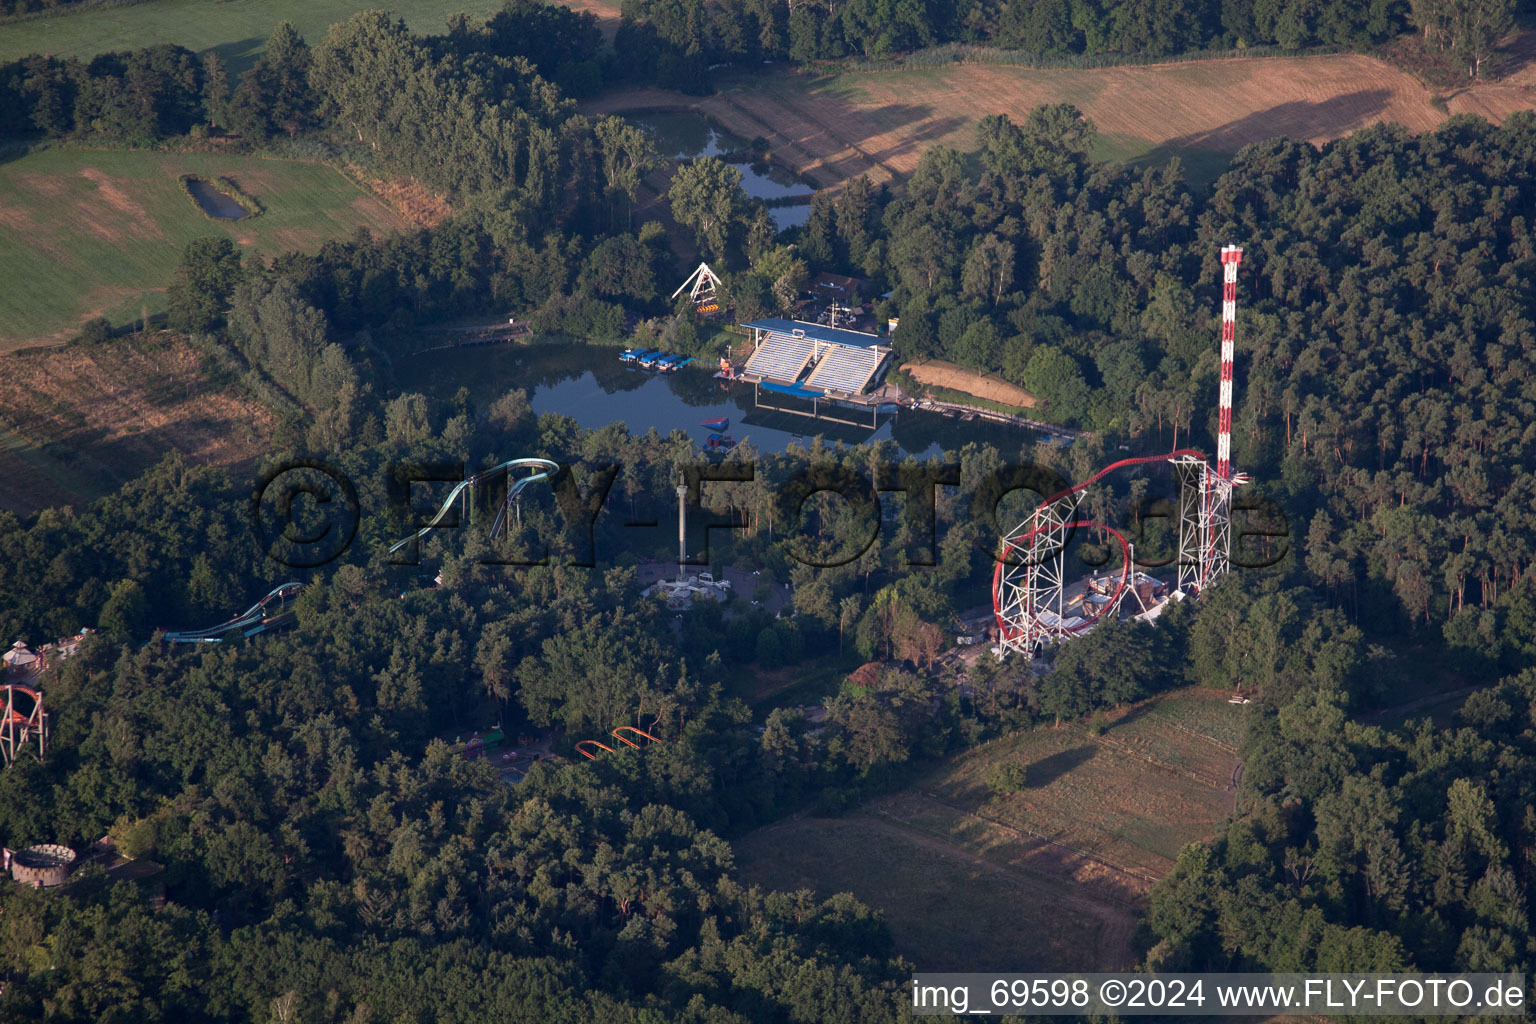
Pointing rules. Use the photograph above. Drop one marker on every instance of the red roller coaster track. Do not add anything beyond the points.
(1025, 539)
(1023, 594)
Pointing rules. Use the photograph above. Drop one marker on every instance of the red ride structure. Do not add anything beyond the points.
(21, 721)
(1029, 585)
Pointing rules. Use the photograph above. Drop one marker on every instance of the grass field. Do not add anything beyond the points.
(835, 126)
(1046, 878)
(1131, 797)
(77, 422)
(88, 233)
(237, 29)
(950, 910)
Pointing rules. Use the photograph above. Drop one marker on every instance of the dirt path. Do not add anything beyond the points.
(1409, 707)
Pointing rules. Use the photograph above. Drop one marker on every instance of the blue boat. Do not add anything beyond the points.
(629, 355)
(720, 423)
(650, 358)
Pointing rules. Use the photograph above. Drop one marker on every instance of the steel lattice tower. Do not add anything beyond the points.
(1205, 494)
(1029, 581)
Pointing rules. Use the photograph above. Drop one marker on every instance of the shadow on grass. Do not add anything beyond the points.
(1047, 770)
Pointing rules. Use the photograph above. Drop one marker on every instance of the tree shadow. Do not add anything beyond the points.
(1047, 770)
(1518, 55)
(1132, 713)
(905, 114)
(1206, 154)
(239, 55)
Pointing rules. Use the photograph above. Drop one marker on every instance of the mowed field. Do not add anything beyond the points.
(237, 29)
(833, 127)
(98, 233)
(77, 422)
(1043, 879)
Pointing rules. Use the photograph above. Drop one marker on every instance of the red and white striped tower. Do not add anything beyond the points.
(1205, 500)
(1231, 256)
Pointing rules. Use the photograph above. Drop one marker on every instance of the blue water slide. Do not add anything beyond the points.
(543, 470)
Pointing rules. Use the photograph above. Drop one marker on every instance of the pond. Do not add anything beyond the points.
(590, 385)
(683, 134)
(213, 202)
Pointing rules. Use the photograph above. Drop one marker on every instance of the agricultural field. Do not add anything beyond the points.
(831, 127)
(950, 909)
(237, 29)
(77, 422)
(1131, 797)
(98, 233)
(1098, 820)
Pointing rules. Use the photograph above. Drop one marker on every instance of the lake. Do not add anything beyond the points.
(683, 134)
(590, 385)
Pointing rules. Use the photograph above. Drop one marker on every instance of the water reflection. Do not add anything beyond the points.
(214, 203)
(681, 135)
(590, 385)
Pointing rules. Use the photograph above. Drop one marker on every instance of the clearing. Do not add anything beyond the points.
(831, 127)
(86, 233)
(1047, 878)
(77, 422)
(942, 374)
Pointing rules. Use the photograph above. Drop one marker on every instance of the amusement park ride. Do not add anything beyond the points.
(618, 734)
(1029, 586)
(543, 469)
(23, 721)
(273, 610)
(701, 286)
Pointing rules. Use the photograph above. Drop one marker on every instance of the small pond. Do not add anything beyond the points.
(683, 134)
(213, 202)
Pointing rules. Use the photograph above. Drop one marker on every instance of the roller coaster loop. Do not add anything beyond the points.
(1023, 592)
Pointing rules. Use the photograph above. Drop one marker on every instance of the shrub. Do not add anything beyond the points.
(1008, 777)
(97, 331)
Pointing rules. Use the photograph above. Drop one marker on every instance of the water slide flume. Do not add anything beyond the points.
(273, 610)
(264, 614)
(544, 469)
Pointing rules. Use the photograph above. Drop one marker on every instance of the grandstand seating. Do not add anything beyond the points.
(782, 357)
(845, 369)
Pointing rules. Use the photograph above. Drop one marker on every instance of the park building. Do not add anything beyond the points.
(43, 866)
(831, 367)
